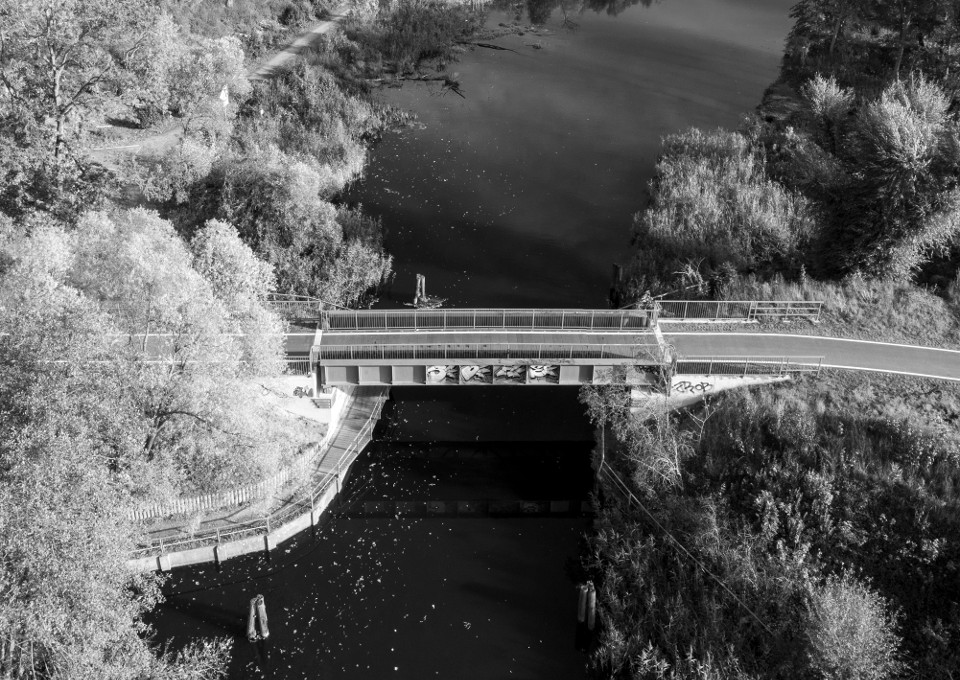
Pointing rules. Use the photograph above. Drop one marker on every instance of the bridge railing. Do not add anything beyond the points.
(744, 366)
(750, 310)
(487, 351)
(489, 319)
(298, 365)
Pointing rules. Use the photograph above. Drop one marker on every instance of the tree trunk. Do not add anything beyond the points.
(904, 22)
(836, 34)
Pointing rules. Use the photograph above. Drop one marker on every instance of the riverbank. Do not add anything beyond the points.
(223, 532)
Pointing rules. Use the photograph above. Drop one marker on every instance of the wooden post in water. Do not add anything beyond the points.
(252, 621)
(262, 617)
(582, 604)
(591, 606)
(421, 294)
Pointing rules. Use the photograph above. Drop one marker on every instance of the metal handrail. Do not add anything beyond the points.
(485, 351)
(715, 310)
(607, 320)
(746, 365)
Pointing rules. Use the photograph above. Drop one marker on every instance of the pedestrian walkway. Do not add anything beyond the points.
(195, 540)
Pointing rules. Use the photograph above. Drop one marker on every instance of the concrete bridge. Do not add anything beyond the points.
(574, 346)
(485, 347)
(354, 358)
(522, 346)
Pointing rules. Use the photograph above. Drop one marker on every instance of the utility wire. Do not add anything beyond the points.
(626, 491)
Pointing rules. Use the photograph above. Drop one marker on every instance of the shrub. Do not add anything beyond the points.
(851, 632)
(712, 205)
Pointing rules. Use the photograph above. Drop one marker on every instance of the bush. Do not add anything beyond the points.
(712, 206)
(851, 632)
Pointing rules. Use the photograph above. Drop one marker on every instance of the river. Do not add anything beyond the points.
(519, 194)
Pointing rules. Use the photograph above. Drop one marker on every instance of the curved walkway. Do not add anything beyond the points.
(231, 531)
(857, 355)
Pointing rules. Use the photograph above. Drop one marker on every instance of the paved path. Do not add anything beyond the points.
(859, 355)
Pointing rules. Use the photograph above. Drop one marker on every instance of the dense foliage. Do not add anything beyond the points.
(806, 531)
(794, 533)
(131, 339)
(850, 170)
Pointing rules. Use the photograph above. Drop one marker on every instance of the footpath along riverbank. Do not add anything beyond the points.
(262, 524)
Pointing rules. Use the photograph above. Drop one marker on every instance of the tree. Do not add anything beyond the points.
(909, 20)
(69, 607)
(821, 18)
(62, 61)
(241, 282)
(902, 163)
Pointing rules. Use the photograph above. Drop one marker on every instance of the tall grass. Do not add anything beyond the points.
(866, 308)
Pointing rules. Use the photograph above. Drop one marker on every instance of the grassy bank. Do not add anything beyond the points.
(807, 530)
(803, 531)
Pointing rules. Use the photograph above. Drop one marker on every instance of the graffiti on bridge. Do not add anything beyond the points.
(687, 387)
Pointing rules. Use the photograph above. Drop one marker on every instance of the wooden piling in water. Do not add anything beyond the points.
(582, 604)
(252, 621)
(262, 617)
(591, 606)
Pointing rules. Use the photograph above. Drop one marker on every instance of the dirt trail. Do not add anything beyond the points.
(168, 137)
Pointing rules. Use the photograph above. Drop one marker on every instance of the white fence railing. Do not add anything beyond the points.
(298, 504)
(743, 365)
(598, 320)
(487, 351)
(750, 310)
(246, 493)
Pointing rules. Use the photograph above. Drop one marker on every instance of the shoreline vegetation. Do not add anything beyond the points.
(108, 256)
(808, 530)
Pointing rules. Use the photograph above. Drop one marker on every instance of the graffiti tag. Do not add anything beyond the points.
(687, 387)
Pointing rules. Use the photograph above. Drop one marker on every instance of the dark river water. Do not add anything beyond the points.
(520, 194)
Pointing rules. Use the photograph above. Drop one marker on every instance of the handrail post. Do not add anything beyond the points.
(593, 313)
(710, 368)
(563, 318)
(686, 308)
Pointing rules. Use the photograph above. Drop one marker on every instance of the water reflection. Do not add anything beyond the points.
(522, 193)
(540, 11)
